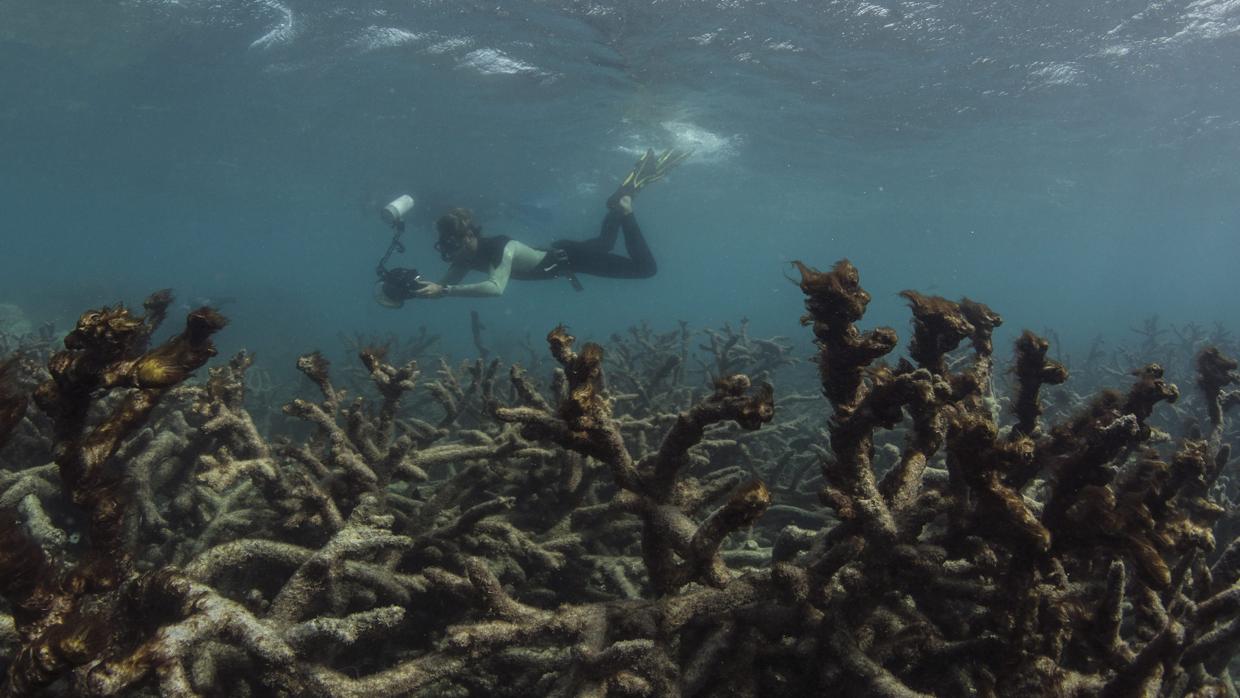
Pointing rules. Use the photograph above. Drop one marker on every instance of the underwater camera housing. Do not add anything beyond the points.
(395, 286)
(398, 285)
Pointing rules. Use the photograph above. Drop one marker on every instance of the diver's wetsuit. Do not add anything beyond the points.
(594, 256)
(502, 258)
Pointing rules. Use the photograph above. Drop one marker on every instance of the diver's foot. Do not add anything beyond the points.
(624, 204)
(625, 191)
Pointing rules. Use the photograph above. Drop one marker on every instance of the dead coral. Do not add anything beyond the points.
(675, 549)
(1033, 370)
(1035, 628)
(622, 530)
(12, 401)
(72, 616)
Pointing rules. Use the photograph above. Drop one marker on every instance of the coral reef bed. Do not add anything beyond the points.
(620, 529)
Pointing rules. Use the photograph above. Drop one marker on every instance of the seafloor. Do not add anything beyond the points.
(675, 512)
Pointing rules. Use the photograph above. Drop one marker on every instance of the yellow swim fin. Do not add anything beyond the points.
(649, 168)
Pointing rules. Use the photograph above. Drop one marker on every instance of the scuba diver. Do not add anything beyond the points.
(461, 244)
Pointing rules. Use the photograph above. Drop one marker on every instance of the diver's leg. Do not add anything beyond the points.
(595, 258)
(603, 242)
(608, 231)
(642, 260)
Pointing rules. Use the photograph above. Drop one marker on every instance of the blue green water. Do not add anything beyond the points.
(1073, 164)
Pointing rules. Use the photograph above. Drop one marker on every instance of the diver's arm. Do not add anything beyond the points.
(494, 285)
(430, 289)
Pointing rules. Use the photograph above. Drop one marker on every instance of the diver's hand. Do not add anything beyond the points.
(430, 289)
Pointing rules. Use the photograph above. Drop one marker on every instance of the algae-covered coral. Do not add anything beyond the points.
(620, 529)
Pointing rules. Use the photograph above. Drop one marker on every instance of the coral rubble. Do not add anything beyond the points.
(620, 530)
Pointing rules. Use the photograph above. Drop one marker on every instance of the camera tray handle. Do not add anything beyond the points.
(398, 229)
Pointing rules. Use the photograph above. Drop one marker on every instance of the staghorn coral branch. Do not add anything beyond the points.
(407, 678)
(62, 626)
(1215, 372)
(1033, 370)
(212, 564)
(730, 402)
(835, 300)
(744, 508)
(343, 632)
(603, 442)
(40, 527)
(982, 460)
(426, 459)
(488, 566)
(206, 615)
(584, 424)
(362, 535)
(12, 401)
(316, 367)
(524, 388)
(39, 481)
(392, 384)
(341, 449)
(938, 327)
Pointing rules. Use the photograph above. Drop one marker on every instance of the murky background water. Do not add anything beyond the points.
(1072, 164)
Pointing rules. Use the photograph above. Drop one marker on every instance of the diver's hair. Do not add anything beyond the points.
(452, 227)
